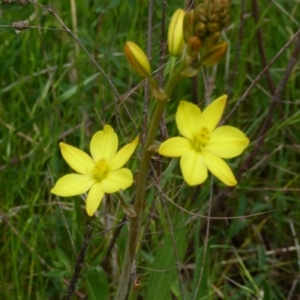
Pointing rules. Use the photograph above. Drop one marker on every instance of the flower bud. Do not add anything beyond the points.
(200, 29)
(193, 46)
(189, 24)
(211, 17)
(175, 33)
(214, 54)
(211, 39)
(137, 59)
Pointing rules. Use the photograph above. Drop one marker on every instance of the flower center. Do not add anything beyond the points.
(201, 139)
(100, 169)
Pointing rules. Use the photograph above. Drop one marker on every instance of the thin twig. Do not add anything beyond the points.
(238, 48)
(79, 261)
(205, 85)
(289, 15)
(173, 244)
(157, 270)
(34, 27)
(294, 233)
(275, 100)
(292, 289)
(178, 264)
(34, 252)
(217, 218)
(104, 262)
(255, 255)
(206, 240)
(50, 74)
(251, 86)
(62, 213)
(74, 23)
(261, 47)
(162, 53)
(267, 122)
(146, 86)
(52, 12)
(163, 47)
(189, 4)
(262, 52)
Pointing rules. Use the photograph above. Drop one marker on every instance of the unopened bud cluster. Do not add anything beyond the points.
(206, 21)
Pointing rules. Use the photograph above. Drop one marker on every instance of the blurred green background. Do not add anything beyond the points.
(50, 91)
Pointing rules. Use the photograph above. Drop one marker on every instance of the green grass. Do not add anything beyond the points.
(50, 91)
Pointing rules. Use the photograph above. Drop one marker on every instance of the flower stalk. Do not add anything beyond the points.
(136, 223)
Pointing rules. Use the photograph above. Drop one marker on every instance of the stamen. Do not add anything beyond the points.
(201, 139)
(100, 169)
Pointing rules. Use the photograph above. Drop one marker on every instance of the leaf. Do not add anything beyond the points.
(104, 8)
(57, 273)
(97, 284)
(61, 99)
(10, 6)
(268, 295)
(203, 288)
(159, 284)
(74, 89)
(63, 259)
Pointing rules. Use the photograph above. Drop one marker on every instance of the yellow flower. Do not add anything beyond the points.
(203, 145)
(175, 33)
(102, 173)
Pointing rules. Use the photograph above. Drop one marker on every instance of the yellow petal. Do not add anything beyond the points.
(175, 147)
(117, 180)
(193, 168)
(72, 184)
(218, 167)
(187, 119)
(104, 144)
(212, 114)
(94, 198)
(227, 142)
(123, 155)
(78, 160)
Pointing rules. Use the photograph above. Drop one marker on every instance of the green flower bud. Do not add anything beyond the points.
(137, 59)
(175, 33)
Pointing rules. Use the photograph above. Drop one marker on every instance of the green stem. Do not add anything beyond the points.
(133, 295)
(136, 223)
